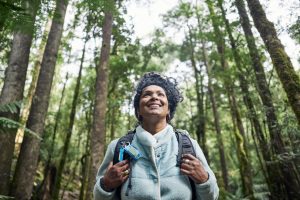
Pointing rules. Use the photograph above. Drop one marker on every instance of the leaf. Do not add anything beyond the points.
(8, 123)
(11, 107)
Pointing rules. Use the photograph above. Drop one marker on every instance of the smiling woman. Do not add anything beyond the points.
(161, 170)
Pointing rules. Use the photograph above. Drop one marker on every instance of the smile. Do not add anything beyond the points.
(154, 105)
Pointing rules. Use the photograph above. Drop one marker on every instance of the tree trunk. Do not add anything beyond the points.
(44, 192)
(216, 121)
(245, 164)
(70, 127)
(276, 178)
(27, 162)
(200, 101)
(281, 61)
(35, 74)
(243, 82)
(98, 129)
(13, 88)
(86, 162)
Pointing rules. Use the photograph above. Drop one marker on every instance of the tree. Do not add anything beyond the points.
(245, 164)
(275, 181)
(27, 161)
(71, 120)
(281, 61)
(98, 129)
(15, 76)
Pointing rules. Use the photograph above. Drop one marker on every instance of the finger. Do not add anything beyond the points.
(188, 156)
(125, 172)
(185, 172)
(124, 162)
(124, 167)
(189, 168)
(124, 178)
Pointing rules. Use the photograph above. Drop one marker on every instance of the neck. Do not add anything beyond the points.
(154, 127)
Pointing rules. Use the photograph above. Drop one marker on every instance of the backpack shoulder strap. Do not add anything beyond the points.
(124, 139)
(185, 146)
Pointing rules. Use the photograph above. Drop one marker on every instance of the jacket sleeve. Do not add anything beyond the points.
(99, 193)
(208, 190)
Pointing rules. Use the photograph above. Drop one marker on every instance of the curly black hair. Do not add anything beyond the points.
(169, 84)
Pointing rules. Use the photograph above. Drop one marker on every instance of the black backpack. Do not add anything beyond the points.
(185, 146)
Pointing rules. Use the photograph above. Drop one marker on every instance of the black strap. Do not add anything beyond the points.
(185, 146)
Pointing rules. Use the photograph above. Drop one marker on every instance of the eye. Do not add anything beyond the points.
(146, 94)
(161, 94)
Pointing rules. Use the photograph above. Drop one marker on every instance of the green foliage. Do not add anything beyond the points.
(12, 107)
(6, 123)
(294, 30)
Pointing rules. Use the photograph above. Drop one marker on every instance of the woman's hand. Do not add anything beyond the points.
(115, 175)
(193, 168)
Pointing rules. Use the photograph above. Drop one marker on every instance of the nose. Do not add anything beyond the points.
(154, 96)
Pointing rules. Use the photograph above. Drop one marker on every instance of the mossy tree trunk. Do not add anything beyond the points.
(242, 151)
(281, 61)
(276, 178)
(243, 84)
(27, 161)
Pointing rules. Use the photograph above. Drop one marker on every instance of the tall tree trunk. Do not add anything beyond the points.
(13, 88)
(200, 100)
(245, 164)
(281, 61)
(62, 161)
(44, 192)
(276, 178)
(216, 120)
(87, 160)
(27, 162)
(243, 83)
(35, 74)
(98, 130)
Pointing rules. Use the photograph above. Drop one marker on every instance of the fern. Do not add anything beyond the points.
(11, 124)
(11, 107)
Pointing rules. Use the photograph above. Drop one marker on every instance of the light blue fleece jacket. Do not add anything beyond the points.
(155, 175)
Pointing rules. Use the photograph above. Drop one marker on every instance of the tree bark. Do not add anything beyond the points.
(244, 84)
(276, 178)
(13, 88)
(35, 74)
(242, 151)
(281, 61)
(98, 129)
(27, 162)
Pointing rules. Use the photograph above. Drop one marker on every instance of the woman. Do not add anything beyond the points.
(155, 174)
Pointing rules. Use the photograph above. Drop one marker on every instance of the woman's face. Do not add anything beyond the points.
(153, 103)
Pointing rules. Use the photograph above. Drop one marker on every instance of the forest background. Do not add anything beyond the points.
(69, 72)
